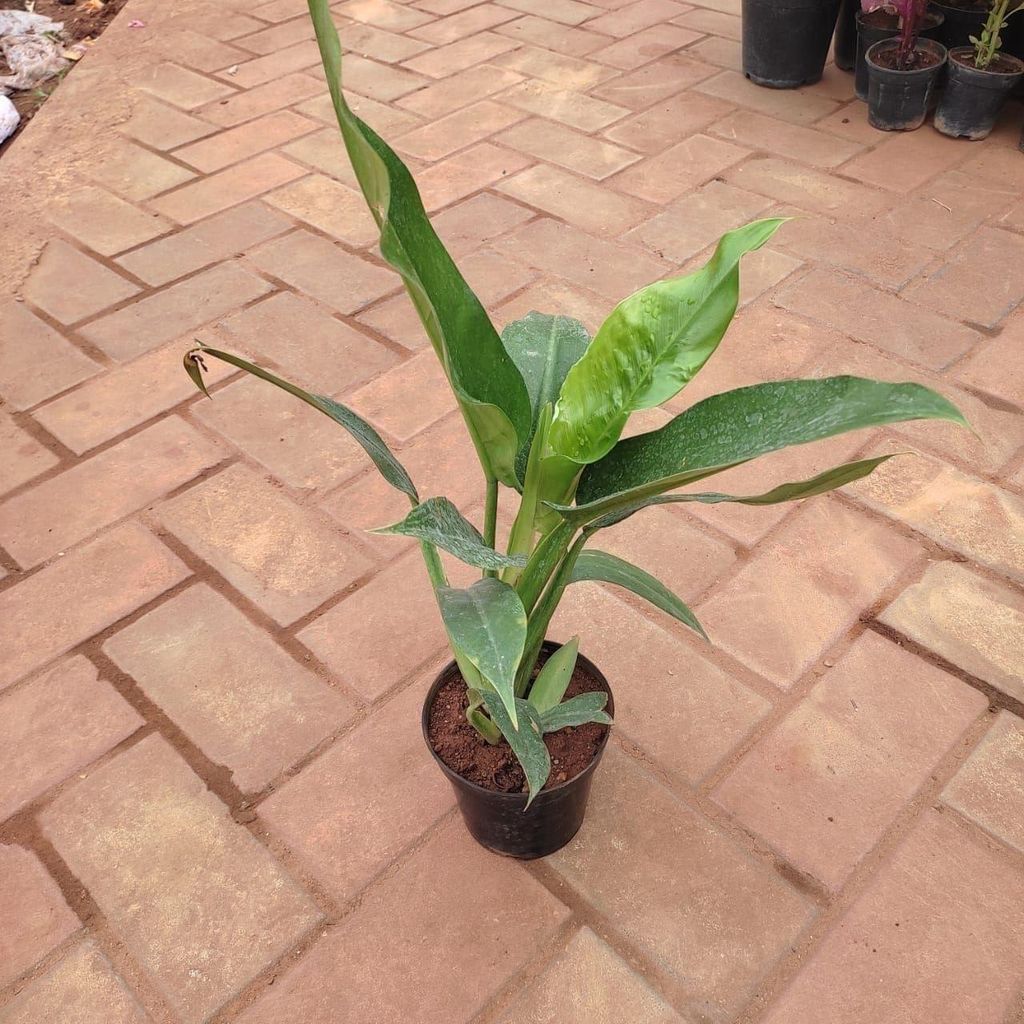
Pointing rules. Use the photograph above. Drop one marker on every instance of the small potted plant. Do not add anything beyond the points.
(979, 79)
(785, 42)
(902, 72)
(545, 407)
(876, 22)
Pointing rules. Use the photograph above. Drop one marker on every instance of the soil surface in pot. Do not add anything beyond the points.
(999, 65)
(880, 19)
(917, 61)
(459, 745)
(974, 6)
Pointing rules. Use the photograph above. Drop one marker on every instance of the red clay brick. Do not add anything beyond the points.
(178, 881)
(371, 795)
(796, 107)
(156, 319)
(467, 172)
(445, 61)
(808, 145)
(33, 915)
(905, 161)
(688, 714)
(277, 37)
(459, 90)
(713, 22)
(370, 41)
(667, 121)
(493, 277)
(998, 367)
(955, 957)
(55, 725)
(268, 132)
(238, 523)
(539, 31)
(104, 222)
(243, 701)
(138, 174)
(328, 205)
(568, 12)
(551, 295)
(479, 220)
(22, 457)
(74, 598)
(464, 23)
(218, 238)
(275, 65)
(576, 152)
(163, 127)
(448, 973)
(385, 13)
(180, 86)
(561, 70)
(624, 21)
(382, 82)
(575, 109)
(83, 988)
(655, 82)
(65, 509)
(626, 863)
(820, 571)
(651, 43)
(123, 398)
(824, 785)
(471, 124)
(263, 99)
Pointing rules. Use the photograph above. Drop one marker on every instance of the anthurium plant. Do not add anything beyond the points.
(545, 406)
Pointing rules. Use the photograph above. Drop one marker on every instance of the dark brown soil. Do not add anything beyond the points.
(917, 61)
(81, 23)
(881, 19)
(1001, 64)
(460, 746)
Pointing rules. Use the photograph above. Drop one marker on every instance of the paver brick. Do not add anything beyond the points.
(494, 277)
(972, 622)
(563, 146)
(244, 106)
(163, 127)
(104, 222)
(407, 399)
(717, 23)
(446, 974)
(228, 147)
(824, 784)
(83, 988)
(624, 21)
(388, 47)
(201, 905)
(796, 107)
(937, 938)
(237, 522)
(667, 121)
(989, 788)
(905, 161)
(450, 94)
(363, 801)
(276, 64)
(463, 23)
(654, 82)
(471, 124)
(539, 31)
(971, 516)
(689, 714)
(71, 600)
(69, 286)
(138, 174)
(477, 221)
(575, 109)
(718, 926)
(794, 142)
(998, 366)
(55, 514)
(559, 69)
(22, 457)
(385, 13)
(459, 56)
(243, 701)
(589, 981)
(34, 918)
(383, 82)
(568, 12)
(55, 725)
(551, 294)
(180, 86)
(466, 172)
(328, 206)
(786, 607)
(151, 321)
(651, 43)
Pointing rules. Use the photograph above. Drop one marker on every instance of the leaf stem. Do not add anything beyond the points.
(491, 518)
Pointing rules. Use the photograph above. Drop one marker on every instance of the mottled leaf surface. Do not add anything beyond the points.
(587, 707)
(526, 740)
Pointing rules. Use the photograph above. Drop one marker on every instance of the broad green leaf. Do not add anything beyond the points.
(438, 521)
(487, 623)
(605, 568)
(520, 538)
(489, 388)
(587, 707)
(368, 438)
(650, 347)
(838, 476)
(476, 718)
(728, 429)
(553, 679)
(526, 741)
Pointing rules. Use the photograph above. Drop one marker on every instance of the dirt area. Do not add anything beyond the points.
(84, 21)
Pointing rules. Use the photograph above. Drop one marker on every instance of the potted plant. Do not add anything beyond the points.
(545, 407)
(979, 79)
(902, 72)
(785, 42)
(844, 46)
(880, 21)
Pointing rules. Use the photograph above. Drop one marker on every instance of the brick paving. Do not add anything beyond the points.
(215, 804)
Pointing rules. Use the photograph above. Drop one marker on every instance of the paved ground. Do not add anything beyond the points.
(215, 803)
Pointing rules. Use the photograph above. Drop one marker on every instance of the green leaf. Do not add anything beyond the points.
(370, 441)
(526, 741)
(587, 707)
(650, 347)
(553, 680)
(605, 568)
(544, 348)
(728, 429)
(489, 388)
(487, 623)
(439, 522)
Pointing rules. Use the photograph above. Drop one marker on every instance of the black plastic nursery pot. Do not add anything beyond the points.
(785, 42)
(501, 822)
(898, 101)
(961, 21)
(973, 97)
(844, 46)
(873, 28)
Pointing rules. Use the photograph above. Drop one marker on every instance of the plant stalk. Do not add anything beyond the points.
(491, 518)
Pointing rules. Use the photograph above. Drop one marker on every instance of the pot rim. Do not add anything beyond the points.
(985, 71)
(921, 44)
(454, 776)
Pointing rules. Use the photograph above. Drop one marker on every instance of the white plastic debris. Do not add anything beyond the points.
(32, 59)
(21, 23)
(9, 118)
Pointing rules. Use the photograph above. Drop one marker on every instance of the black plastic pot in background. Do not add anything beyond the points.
(500, 821)
(844, 48)
(785, 42)
(973, 97)
(898, 101)
(958, 24)
(868, 35)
